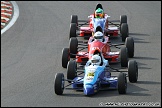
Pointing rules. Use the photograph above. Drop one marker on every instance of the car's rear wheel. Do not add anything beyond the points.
(123, 19)
(71, 70)
(59, 83)
(74, 19)
(129, 42)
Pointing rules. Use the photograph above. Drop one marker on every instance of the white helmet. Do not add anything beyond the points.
(99, 36)
(96, 60)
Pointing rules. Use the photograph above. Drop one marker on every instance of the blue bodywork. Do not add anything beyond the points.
(99, 22)
(94, 79)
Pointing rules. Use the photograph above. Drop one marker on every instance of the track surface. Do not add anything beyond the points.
(31, 53)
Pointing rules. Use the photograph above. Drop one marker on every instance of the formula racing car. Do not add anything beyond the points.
(86, 28)
(76, 47)
(97, 76)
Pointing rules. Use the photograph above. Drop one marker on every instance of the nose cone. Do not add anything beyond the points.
(88, 90)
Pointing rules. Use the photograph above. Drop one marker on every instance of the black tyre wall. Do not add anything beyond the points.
(59, 77)
(129, 42)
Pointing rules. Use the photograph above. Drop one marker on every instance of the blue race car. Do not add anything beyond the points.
(96, 77)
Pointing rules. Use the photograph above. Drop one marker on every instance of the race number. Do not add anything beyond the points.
(90, 74)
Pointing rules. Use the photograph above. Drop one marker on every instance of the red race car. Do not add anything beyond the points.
(95, 44)
(86, 28)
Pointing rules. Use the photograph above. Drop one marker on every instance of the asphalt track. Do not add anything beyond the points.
(31, 53)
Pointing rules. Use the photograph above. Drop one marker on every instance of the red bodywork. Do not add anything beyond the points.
(87, 31)
(102, 47)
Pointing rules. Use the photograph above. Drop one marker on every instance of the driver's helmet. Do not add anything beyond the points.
(96, 60)
(99, 13)
(98, 36)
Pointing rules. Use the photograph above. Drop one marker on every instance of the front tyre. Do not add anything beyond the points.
(124, 31)
(65, 57)
(132, 71)
(59, 83)
(122, 83)
(129, 42)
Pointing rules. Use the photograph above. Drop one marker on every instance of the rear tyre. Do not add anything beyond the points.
(71, 70)
(74, 19)
(123, 19)
(122, 83)
(124, 31)
(123, 57)
(65, 57)
(59, 83)
(129, 42)
(132, 71)
(73, 46)
(73, 28)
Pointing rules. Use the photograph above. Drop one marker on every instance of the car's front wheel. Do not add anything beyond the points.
(122, 83)
(132, 71)
(65, 57)
(124, 31)
(129, 42)
(59, 83)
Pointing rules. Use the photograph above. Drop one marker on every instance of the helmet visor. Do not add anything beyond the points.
(98, 37)
(98, 15)
(95, 61)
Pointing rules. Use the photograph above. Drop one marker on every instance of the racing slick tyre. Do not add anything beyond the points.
(123, 19)
(71, 70)
(129, 42)
(74, 19)
(132, 71)
(65, 57)
(73, 28)
(124, 31)
(73, 46)
(124, 57)
(122, 83)
(59, 83)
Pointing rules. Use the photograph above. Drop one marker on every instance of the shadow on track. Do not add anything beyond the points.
(132, 90)
(138, 34)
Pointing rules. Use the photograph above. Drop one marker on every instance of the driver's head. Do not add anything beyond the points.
(96, 60)
(99, 36)
(99, 13)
